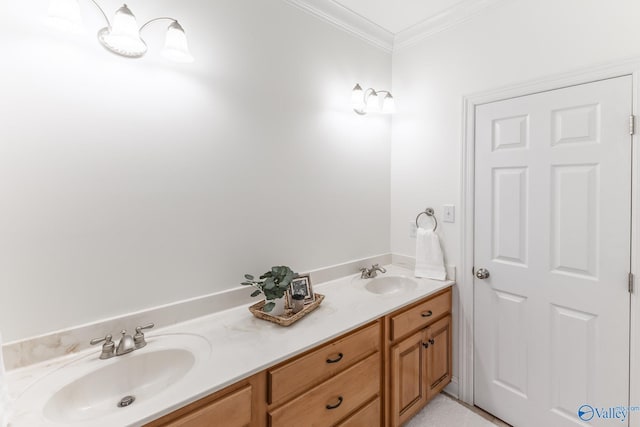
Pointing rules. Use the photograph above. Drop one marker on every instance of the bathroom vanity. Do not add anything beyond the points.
(380, 374)
(374, 353)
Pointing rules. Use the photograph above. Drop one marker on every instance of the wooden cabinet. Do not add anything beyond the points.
(292, 378)
(231, 408)
(239, 405)
(334, 399)
(419, 356)
(438, 356)
(378, 375)
(367, 416)
(408, 377)
(420, 315)
(336, 383)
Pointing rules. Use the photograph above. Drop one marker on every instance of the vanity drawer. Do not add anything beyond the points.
(235, 409)
(420, 315)
(367, 416)
(295, 377)
(332, 400)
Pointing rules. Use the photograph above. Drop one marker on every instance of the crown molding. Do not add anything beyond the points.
(347, 20)
(442, 21)
(361, 27)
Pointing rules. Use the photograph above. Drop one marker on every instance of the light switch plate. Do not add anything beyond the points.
(449, 213)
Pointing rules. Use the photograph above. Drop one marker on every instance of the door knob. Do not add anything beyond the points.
(482, 273)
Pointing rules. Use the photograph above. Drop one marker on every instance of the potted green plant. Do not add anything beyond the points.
(274, 285)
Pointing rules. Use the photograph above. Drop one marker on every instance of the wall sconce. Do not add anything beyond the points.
(122, 35)
(368, 101)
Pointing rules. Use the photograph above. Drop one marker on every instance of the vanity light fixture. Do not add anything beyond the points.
(122, 34)
(368, 101)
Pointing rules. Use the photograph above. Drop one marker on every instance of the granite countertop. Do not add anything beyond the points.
(236, 345)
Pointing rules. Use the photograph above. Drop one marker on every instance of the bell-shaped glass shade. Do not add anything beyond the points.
(388, 104)
(357, 98)
(65, 14)
(123, 37)
(373, 103)
(175, 45)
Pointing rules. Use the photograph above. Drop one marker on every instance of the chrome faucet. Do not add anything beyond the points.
(126, 345)
(370, 273)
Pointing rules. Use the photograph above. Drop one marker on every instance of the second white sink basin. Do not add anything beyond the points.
(386, 285)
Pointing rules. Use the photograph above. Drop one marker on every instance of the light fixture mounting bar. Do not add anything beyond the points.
(156, 19)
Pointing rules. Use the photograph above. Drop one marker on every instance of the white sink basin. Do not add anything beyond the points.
(386, 285)
(141, 375)
(89, 389)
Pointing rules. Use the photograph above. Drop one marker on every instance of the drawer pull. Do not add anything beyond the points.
(337, 404)
(340, 356)
(427, 313)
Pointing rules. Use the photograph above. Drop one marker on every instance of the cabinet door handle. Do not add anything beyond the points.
(425, 344)
(336, 360)
(340, 399)
(427, 313)
(432, 341)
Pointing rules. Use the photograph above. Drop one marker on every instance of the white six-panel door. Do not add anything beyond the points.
(552, 227)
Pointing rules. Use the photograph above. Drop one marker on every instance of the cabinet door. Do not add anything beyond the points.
(438, 356)
(408, 378)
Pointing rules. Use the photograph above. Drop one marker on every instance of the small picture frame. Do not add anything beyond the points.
(301, 285)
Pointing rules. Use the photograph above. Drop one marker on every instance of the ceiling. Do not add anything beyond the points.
(396, 16)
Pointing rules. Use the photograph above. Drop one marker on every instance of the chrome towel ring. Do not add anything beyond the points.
(431, 213)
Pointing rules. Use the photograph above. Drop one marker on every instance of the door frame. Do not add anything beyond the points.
(465, 278)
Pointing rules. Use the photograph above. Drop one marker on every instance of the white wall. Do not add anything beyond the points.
(517, 41)
(125, 184)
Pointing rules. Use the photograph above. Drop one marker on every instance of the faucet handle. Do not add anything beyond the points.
(147, 326)
(138, 338)
(108, 348)
(107, 339)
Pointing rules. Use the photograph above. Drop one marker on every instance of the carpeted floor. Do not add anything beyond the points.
(443, 411)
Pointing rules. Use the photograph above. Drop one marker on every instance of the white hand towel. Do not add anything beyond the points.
(4, 393)
(429, 258)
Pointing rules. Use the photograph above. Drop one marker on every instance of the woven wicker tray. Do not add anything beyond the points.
(288, 317)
